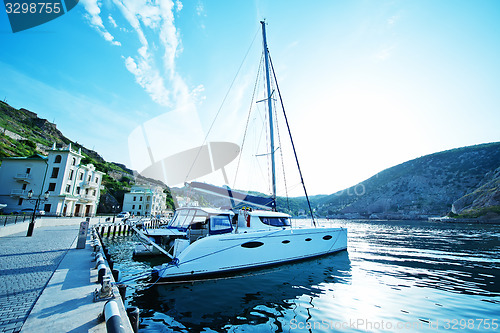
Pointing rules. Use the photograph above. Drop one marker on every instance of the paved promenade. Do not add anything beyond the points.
(27, 264)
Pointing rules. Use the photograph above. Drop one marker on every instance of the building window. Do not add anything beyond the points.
(134, 199)
(74, 161)
(58, 159)
(46, 208)
(70, 175)
(78, 190)
(87, 191)
(55, 172)
(28, 170)
(24, 186)
(140, 206)
(52, 187)
(93, 193)
(81, 176)
(68, 188)
(90, 177)
(133, 206)
(140, 198)
(20, 202)
(97, 179)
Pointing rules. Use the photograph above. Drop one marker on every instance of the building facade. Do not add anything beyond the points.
(145, 201)
(73, 188)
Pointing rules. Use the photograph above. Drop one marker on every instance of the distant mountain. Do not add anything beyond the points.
(23, 133)
(465, 178)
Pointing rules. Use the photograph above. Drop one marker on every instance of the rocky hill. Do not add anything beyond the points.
(465, 178)
(23, 133)
(483, 201)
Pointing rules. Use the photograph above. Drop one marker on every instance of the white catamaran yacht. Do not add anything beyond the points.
(207, 241)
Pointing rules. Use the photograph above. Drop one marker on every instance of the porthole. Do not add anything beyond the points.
(286, 241)
(308, 239)
(252, 245)
(327, 237)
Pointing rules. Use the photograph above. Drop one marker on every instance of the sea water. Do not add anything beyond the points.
(413, 276)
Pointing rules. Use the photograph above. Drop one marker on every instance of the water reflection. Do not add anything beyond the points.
(259, 297)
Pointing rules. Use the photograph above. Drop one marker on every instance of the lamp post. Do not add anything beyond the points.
(37, 202)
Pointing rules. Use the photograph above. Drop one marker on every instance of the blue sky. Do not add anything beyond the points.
(366, 84)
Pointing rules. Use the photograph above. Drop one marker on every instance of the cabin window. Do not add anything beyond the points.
(220, 224)
(252, 245)
(327, 237)
(275, 221)
(185, 217)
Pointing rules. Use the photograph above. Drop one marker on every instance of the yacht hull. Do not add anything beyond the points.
(228, 253)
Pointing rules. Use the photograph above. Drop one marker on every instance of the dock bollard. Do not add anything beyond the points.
(99, 260)
(133, 317)
(101, 272)
(114, 322)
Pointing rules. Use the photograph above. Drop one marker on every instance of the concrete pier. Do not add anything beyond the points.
(46, 283)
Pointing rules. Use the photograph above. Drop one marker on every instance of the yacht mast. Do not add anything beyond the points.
(270, 109)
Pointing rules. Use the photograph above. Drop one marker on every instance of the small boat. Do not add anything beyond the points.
(209, 241)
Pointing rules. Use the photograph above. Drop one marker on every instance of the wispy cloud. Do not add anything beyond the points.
(95, 20)
(153, 64)
(384, 53)
(112, 21)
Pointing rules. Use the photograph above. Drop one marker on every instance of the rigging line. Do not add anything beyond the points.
(291, 140)
(248, 119)
(222, 104)
(281, 155)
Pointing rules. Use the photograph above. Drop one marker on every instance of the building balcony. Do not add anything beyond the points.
(23, 177)
(87, 198)
(90, 184)
(18, 193)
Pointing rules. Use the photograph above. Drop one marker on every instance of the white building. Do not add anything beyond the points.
(145, 201)
(73, 188)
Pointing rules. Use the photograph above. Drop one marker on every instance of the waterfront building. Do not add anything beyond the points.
(145, 200)
(73, 188)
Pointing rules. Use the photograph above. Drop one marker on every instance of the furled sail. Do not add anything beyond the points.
(238, 199)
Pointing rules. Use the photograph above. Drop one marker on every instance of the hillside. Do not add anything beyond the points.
(23, 133)
(427, 186)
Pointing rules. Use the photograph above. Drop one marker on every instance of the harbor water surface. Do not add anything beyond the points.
(395, 276)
